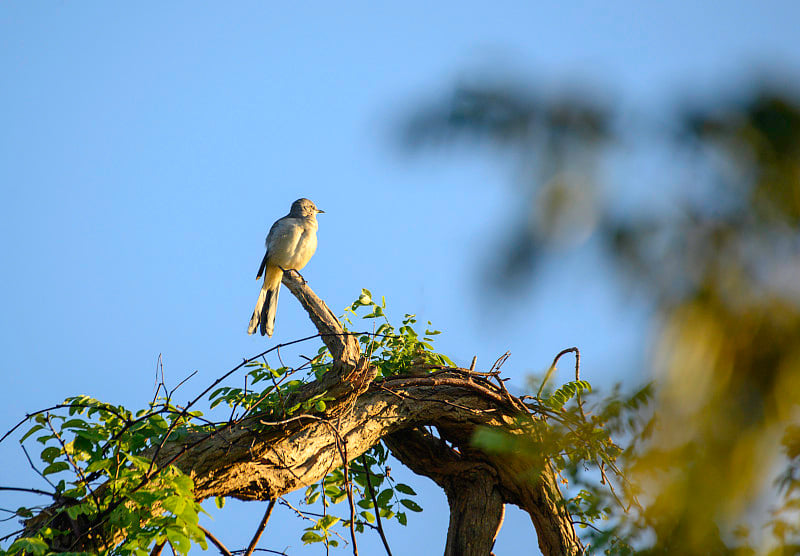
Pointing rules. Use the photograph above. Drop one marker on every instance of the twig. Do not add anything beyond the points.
(260, 529)
(342, 446)
(60, 406)
(14, 534)
(74, 465)
(280, 359)
(281, 552)
(159, 366)
(365, 465)
(304, 515)
(49, 482)
(553, 367)
(324, 512)
(222, 549)
(500, 360)
(31, 490)
(181, 383)
(158, 547)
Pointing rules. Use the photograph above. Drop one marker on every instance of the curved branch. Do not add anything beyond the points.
(253, 459)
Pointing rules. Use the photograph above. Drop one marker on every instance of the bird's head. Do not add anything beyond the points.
(304, 208)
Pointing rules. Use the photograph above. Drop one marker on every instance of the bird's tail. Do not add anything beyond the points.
(263, 317)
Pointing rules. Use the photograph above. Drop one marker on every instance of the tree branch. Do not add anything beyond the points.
(221, 547)
(261, 526)
(255, 459)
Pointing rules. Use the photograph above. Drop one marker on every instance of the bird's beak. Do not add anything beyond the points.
(320, 210)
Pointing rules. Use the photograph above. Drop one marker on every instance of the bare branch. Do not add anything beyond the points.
(221, 547)
(371, 490)
(260, 529)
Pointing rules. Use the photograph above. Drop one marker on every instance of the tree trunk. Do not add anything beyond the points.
(476, 514)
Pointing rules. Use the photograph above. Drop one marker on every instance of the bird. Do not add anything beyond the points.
(291, 242)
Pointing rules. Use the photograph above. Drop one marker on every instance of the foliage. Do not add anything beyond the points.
(102, 456)
(578, 436)
(97, 453)
(712, 248)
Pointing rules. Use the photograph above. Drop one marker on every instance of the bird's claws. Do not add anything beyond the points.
(302, 280)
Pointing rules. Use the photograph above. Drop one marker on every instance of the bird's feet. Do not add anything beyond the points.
(300, 276)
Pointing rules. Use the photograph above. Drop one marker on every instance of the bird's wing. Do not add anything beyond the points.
(283, 239)
(272, 235)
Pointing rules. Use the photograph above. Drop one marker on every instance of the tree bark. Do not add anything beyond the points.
(261, 460)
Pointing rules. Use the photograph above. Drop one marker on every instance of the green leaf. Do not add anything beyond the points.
(337, 499)
(141, 463)
(74, 511)
(219, 501)
(174, 504)
(45, 439)
(144, 498)
(32, 430)
(184, 485)
(365, 503)
(490, 440)
(411, 505)
(401, 517)
(178, 540)
(333, 491)
(405, 489)
(216, 392)
(29, 545)
(50, 453)
(310, 537)
(368, 516)
(55, 467)
(320, 405)
(22, 511)
(99, 464)
(74, 424)
(384, 497)
(326, 521)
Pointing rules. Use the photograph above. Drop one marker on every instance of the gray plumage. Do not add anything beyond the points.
(290, 243)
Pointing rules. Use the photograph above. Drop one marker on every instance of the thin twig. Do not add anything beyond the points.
(49, 482)
(553, 367)
(500, 360)
(365, 465)
(260, 529)
(74, 465)
(281, 552)
(222, 549)
(31, 490)
(304, 515)
(181, 383)
(159, 385)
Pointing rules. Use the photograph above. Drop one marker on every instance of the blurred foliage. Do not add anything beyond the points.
(717, 469)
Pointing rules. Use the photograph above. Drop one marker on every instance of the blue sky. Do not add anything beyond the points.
(146, 148)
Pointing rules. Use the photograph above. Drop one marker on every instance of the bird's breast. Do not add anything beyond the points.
(293, 248)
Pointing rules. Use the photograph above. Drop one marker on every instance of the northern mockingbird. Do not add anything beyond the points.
(291, 242)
